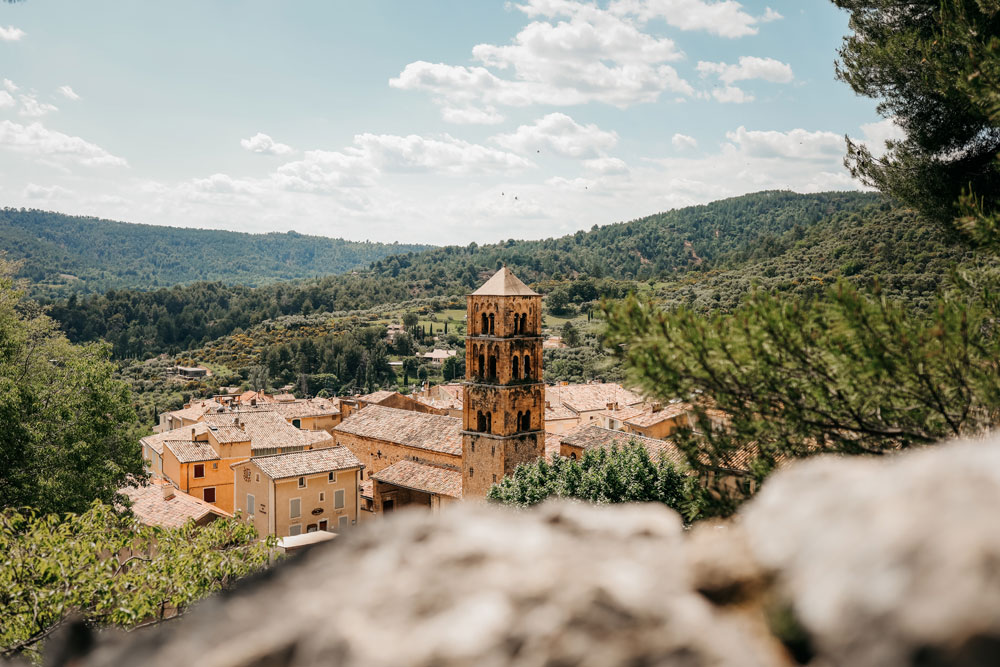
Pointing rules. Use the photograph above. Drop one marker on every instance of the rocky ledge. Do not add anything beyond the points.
(838, 561)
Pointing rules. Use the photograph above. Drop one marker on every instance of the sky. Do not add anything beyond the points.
(441, 122)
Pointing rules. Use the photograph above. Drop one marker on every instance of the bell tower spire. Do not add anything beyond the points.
(503, 413)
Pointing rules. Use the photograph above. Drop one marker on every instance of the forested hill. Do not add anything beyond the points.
(707, 256)
(65, 254)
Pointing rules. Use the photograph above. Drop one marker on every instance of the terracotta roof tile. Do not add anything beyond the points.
(296, 464)
(438, 433)
(312, 407)
(264, 428)
(152, 509)
(367, 489)
(649, 417)
(189, 451)
(195, 410)
(421, 477)
(504, 283)
(595, 437)
(376, 397)
(155, 441)
(590, 397)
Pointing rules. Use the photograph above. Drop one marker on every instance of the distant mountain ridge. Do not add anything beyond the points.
(63, 254)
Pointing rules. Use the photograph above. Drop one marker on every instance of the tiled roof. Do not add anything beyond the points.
(188, 451)
(312, 407)
(152, 509)
(421, 477)
(367, 489)
(265, 429)
(590, 397)
(595, 437)
(438, 433)
(155, 441)
(317, 437)
(625, 413)
(650, 417)
(376, 397)
(454, 390)
(551, 446)
(296, 464)
(439, 354)
(194, 411)
(504, 283)
(440, 404)
(557, 412)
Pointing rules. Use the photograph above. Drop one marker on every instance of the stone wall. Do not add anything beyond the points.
(838, 561)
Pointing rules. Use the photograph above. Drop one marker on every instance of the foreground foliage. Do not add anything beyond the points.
(615, 475)
(849, 372)
(68, 431)
(106, 569)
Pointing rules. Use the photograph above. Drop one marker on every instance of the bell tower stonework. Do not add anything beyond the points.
(504, 407)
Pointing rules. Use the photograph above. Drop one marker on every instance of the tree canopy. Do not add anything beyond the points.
(68, 431)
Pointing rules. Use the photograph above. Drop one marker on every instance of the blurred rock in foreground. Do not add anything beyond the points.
(883, 562)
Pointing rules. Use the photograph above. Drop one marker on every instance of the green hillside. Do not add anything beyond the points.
(65, 254)
(708, 256)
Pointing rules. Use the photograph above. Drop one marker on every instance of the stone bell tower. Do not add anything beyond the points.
(503, 415)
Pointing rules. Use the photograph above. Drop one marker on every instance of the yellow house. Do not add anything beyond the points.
(300, 492)
(313, 414)
(194, 466)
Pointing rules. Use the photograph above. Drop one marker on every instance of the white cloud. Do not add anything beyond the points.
(877, 134)
(606, 165)
(40, 142)
(46, 192)
(559, 134)
(731, 95)
(444, 155)
(471, 116)
(68, 93)
(725, 18)
(683, 142)
(9, 85)
(6, 99)
(32, 108)
(326, 172)
(262, 143)
(10, 34)
(592, 55)
(795, 144)
(749, 67)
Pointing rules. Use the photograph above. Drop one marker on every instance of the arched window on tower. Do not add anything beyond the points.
(480, 421)
(526, 423)
(482, 366)
(515, 368)
(484, 329)
(492, 320)
(489, 422)
(524, 323)
(493, 366)
(527, 367)
(520, 420)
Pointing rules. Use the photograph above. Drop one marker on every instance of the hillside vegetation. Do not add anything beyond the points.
(706, 256)
(63, 254)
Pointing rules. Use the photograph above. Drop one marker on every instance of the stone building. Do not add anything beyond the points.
(504, 402)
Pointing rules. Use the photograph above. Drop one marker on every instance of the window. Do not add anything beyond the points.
(215, 466)
(251, 504)
(338, 499)
(331, 477)
(342, 524)
(295, 529)
(199, 470)
(322, 496)
(294, 508)
(302, 482)
(323, 524)
(208, 494)
(297, 423)
(470, 472)
(257, 477)
(494, 479)
(514, 370)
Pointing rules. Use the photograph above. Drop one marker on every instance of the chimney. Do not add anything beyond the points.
(564, 383)
(548, 405)
(657, 406)
(168, 491)
(612, 405)
(192, 432)
(253, 402)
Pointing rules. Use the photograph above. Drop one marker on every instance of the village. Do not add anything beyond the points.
(305, 469)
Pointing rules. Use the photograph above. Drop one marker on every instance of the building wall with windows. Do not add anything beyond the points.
(297, 505)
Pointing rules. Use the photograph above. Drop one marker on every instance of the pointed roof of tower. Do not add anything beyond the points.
(504, 283)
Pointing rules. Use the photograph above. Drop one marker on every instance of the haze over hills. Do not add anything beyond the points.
(63, 254)
(706, 256)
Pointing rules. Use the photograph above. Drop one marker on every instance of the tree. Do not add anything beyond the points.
(570, 335)
(847, 372)
(918, 59)
(410, 322)
(616, 475)
(452, 368)
(68, 431)
(110, 570)
(410, 368)
(257, 377)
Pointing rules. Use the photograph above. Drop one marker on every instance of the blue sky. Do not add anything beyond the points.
(438, 122)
